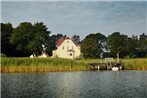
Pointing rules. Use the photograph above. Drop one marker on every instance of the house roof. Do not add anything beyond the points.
(61, 40)
(78, 45)
(43, 52)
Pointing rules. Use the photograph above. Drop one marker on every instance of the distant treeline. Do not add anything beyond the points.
(28, 38)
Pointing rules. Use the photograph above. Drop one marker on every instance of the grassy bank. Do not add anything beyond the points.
(129, 64)
(40, 65)
(135, 64)
(52, 65)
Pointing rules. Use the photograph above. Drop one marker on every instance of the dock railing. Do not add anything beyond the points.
(109, 60)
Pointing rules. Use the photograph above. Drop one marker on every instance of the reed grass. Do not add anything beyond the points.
(129, 64)
(41, 65)
(54, 64)
(135, 64)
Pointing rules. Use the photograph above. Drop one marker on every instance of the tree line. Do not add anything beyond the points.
(129, 47)
(28, 38)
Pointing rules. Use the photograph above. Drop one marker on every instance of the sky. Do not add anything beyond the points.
(79, 17)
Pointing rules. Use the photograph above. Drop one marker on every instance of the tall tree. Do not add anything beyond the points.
(132, 44)
(117, 44)
(6, 47)
(143, 44)
(30, 38)
(40, 41)
(76, 39)
(92, 45)
(21, 36)
(90, 48)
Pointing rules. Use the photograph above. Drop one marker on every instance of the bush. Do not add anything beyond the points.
(3, 55)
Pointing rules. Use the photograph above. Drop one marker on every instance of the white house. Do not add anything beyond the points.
(32, 56)
(66, 48)
(43, 55)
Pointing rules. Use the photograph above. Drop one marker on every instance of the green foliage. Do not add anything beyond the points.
(21, 36)
(143, 44)
(30, 38)
(76, 39)
(117, 43)
(92, 45)
(132, 44)
(41, 37)
(6, 47)
(127, 46)
(90, 48)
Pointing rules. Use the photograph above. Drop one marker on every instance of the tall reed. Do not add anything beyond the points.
(54, 64)
(135, 64)
(40, 65)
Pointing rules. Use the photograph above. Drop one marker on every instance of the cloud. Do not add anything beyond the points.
(79, 18)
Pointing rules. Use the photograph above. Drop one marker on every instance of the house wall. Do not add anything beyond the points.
(43, 56)
(62, 50)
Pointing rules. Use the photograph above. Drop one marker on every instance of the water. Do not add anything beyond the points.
(86, 84)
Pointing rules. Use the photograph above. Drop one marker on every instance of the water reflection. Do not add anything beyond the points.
(68, 83)
(89, 84)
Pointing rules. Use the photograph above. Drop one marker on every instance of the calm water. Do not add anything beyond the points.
(86, 84)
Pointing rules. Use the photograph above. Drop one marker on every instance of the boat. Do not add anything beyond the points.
(115, 68)
(95, 66)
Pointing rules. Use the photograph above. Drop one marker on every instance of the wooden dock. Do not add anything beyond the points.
(105, 66)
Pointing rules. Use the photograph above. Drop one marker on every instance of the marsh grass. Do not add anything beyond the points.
(135, 64)
(54, 64)
(40, 65)
(129, 64)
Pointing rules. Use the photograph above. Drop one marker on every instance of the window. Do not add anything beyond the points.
(62, 47)
(67, 41)
(67, 47)
(72, 47)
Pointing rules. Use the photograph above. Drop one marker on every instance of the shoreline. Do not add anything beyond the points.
(43, 71)
(29, 69)
(25, 65)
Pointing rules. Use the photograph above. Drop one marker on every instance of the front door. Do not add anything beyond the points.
(71, 54)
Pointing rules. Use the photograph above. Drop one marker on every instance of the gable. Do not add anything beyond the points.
(61, 40)
(66, 48)
(67, 42)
